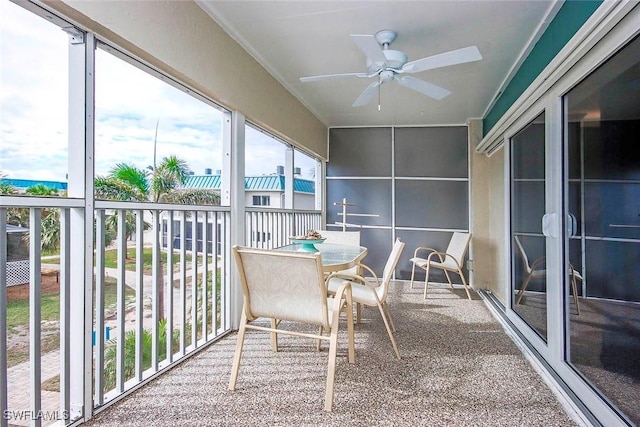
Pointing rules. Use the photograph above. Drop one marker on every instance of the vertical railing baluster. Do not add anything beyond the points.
(120, 315)
(194, 279)
(168, 295)
(156, 284)
(263, 228)
(65, 310)
(183, 282)
(4, 400)
(100, 287)
(139, 326)
(35, 310)
(272, 221)
(205, 275)
(214, 289)
(226, 267)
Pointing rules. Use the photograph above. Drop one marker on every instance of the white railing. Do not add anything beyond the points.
(160, 291)
(271, 228)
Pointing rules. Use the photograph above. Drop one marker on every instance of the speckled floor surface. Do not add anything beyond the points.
(458, 368)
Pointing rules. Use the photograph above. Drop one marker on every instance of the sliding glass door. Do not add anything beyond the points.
(528, 244)
(602, 232)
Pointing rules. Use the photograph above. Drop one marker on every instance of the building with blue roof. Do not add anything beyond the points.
(21, 185)
(263, 190)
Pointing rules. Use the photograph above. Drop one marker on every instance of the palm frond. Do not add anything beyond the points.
(132, 175)
(193, 197)
(108, 188)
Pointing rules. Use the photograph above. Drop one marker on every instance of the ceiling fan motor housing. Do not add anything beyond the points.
(395, 60)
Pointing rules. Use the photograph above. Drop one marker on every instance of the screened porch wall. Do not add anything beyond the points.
(415, 179)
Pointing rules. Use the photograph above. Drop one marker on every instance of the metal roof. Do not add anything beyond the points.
(26, 183)
(252, 183)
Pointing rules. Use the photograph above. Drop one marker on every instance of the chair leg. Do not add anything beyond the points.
(319, 344)
(386, 324)
(331, 369)
(575, 293)
(386, 307)
(426, 281)
(413, 273)
(236, 358)
(350, 336)
(464, 282)
(274, 335)
(446, 273)
(358, 312)
(522, 289)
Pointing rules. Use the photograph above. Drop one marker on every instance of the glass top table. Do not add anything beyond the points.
(334, 257)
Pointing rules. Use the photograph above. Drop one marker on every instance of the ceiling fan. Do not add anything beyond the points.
(388, 65)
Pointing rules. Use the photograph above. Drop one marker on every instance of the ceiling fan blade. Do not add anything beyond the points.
(370, 47)
(459, 56)
(367, 94)
(423, 87)
(333, 77)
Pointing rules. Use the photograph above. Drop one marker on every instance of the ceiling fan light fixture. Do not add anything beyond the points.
(386, 76)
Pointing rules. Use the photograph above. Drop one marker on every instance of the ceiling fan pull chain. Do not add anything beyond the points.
(379, 91)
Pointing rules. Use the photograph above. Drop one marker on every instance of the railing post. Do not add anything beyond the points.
(4, 402)
(35, 313)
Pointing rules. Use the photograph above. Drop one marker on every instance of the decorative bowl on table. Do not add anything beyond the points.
(308, 244)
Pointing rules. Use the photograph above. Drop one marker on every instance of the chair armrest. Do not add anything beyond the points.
(537, 262)
(442, 256)
(421, 249)
(346, 276)
(375, 277)
(342, 298)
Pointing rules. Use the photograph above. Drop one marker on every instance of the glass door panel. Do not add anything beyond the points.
(528, 244)
(602, 241)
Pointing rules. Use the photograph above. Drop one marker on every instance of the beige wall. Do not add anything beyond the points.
(180, 39)
(496, 250)
(487, 216)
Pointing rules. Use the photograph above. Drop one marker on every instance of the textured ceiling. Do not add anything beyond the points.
(292, 39)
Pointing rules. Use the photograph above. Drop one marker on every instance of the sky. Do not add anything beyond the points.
(130, 103)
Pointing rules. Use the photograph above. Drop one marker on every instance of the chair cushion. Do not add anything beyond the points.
(362, 294)
(448, 263)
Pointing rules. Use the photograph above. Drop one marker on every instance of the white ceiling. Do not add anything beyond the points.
(292, 39)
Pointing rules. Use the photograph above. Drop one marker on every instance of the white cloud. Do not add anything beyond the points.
(129, 104)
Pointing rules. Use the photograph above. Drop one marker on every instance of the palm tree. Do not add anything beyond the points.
(158, 184)
(41, 190)
(6, 189)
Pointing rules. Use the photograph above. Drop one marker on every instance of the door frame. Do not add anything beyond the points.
(607, 35)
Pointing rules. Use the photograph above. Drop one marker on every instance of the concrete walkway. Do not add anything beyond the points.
(19, 387)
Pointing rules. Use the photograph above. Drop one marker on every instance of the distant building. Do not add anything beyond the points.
(21, 185)
(264, 191)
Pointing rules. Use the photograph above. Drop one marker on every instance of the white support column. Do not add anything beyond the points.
(225, 178)
(288, 177)
(81, 171)
(234, 162)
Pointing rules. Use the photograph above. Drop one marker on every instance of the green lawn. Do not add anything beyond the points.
(18, 319)
(18, 311)
(110, 259)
